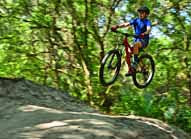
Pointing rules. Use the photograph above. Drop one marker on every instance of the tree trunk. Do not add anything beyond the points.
(85, 67)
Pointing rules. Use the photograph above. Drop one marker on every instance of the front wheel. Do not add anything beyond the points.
(145, 70)
(110, 67)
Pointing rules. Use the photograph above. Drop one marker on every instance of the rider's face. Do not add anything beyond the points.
(142, 15)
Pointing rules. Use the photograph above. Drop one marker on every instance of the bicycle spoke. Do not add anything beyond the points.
(110, 70)
(144, 71)
(110, 67)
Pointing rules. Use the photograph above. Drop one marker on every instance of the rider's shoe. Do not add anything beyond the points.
(130, 72)
(133, 68)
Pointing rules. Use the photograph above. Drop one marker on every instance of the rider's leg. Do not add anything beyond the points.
(138, 45)
(136, 48)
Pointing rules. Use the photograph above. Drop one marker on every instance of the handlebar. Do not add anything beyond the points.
(127, 34)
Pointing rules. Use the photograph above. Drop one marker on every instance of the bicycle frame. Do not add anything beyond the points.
(128, 51)
(128, 48)
(111, 64)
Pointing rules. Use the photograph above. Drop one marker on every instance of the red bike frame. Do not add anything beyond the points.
(128, 51)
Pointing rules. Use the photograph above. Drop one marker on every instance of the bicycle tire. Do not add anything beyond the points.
(115, 57)
(143, 71)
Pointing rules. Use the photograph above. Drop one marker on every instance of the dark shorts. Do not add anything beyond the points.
(144, 42)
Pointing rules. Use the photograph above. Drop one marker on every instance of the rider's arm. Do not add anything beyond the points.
(123, 25)
(148, 30)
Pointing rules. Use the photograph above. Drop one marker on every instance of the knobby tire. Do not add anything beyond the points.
(112, 56)
(148, 81)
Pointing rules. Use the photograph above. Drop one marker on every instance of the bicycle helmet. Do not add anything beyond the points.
(144, 9)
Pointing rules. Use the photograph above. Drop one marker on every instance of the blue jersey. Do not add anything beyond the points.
(140, 26)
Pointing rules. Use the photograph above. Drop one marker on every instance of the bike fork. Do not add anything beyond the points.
(110, 62)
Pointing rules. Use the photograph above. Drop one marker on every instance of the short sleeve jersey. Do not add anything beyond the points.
(140, 26)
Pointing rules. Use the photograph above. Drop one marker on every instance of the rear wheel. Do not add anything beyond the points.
(144, 72)
(110, 67)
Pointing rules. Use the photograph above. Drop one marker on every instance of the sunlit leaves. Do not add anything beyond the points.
(48, 41)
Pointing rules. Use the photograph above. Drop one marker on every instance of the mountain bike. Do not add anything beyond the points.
(111, 63)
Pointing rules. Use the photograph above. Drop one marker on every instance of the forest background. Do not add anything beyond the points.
(60, 43)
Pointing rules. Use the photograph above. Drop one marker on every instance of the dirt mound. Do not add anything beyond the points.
(32, 111)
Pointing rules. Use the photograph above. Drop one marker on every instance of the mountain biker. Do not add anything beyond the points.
(142, 28)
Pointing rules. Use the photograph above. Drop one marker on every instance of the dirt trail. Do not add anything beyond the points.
(31, 111)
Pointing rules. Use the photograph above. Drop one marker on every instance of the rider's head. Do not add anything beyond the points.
(143, 12)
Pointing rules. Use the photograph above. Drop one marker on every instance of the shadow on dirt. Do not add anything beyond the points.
(31, 111)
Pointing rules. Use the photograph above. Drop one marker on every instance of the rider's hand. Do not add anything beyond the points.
(114, 28)
(142, 35)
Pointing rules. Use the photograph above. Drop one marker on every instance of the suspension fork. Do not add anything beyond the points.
(110, 62)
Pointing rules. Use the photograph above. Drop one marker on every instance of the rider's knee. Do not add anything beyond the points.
(136, 47)
(138, 44)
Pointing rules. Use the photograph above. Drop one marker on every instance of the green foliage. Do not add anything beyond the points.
(60, 43)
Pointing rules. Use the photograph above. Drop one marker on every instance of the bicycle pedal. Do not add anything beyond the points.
(128, 74)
